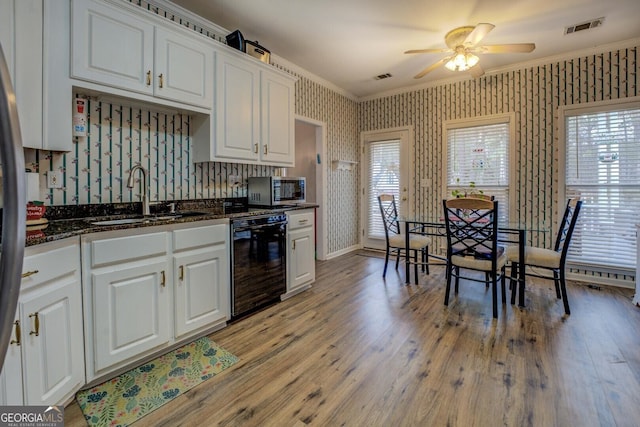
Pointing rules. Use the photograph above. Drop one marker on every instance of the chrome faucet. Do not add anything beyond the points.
(144, 190)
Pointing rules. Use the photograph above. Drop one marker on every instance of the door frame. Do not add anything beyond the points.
(321, 184)
(406, 137)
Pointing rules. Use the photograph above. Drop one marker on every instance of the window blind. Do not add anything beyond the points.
(383, 177)
(478, 160)
(603, 169)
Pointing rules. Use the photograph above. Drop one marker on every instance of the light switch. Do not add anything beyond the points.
(54, 179)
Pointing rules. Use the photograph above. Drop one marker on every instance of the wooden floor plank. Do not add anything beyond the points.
(357, 349)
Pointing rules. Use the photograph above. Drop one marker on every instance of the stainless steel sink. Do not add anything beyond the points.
(120, 221)
(141, 220)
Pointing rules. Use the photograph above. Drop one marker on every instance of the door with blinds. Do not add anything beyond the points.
(385, 170)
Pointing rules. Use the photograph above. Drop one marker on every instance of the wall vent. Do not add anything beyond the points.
(594, 23)
(382, 76)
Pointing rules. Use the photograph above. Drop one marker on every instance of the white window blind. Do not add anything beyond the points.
(478, 161)
(384, 177)
(603, 169)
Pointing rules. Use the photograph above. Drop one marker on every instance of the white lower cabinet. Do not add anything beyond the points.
(301, 267)
(201, 277)
(45, 359)
(11, 375)
(130, 311)
(126, 297)
(147, 289)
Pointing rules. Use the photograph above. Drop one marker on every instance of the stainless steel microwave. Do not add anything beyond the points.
(276, 190)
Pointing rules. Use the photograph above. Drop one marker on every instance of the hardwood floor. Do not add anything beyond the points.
(357, 350)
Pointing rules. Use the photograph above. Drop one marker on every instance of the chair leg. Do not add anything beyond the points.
(563, 288)
(386, 261)
(494, 295)
(504, 289)
(448, 288)
(487, 279)
(415, 265)
(512, 283)
(556, 281)
(426, 259)
(397, 257)
(457, 278)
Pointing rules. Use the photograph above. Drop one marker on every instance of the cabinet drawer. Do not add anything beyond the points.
(299, 220)
(46, 262)
(199, 236)
(128, 248)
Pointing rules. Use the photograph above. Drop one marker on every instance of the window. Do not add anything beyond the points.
(603, 169)
(383, 177)
(478, 159)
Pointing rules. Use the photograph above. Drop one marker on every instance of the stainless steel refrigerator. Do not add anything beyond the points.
(14, 209)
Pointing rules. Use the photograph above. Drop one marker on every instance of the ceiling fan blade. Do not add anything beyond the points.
(478, 33)
(476, 71)
(428, 51)
(431, 67)
(505, 48)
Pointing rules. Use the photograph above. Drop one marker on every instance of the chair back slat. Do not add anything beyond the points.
(567, 225)
(472, 227)
(389, 212)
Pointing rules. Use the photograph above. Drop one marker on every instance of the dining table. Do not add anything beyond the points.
(509, 233)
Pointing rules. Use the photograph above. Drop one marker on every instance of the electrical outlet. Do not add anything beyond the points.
(54, 179)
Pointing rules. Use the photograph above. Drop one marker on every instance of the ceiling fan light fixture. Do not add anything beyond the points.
(462, 62)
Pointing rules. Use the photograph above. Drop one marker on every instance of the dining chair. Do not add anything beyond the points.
(396, 240)
(472, 244)
(553, 260)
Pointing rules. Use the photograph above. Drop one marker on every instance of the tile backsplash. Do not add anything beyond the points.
(120, 137)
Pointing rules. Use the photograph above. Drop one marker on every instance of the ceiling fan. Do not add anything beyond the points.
(463, 42)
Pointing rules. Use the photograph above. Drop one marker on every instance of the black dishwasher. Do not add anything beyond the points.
(258, 262)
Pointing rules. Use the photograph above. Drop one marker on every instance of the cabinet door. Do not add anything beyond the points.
(21, 39)
(111, 46)
(11, 374)
(53, 354)
(183, 69)
(201, 283)
(302, 258)
(237, 109)
(130, 311)
(277, 132)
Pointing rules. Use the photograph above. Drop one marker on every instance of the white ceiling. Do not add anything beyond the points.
(349, 42)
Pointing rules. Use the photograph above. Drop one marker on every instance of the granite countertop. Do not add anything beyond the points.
(69, 221)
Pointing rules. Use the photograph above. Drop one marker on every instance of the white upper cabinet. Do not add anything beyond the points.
(39, 70)
(278, 138)
(111, 47)
(116, 47)
(237, 113)
(254, 114)
(183, 68)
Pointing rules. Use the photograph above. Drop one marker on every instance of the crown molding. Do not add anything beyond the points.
(514, 67)
(293, 68)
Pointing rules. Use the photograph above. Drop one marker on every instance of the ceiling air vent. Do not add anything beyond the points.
(594, 23)
(382, 76)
